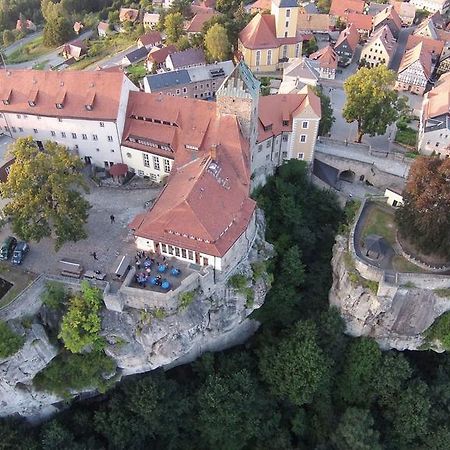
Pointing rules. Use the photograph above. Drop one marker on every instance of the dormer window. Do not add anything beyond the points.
(32, 98)
(6, 97)
(59, 106)
(268, 127)
(285, 123)
(60, 98)
(90, 98)
(31, 103)
(6, 102)
(88, 107)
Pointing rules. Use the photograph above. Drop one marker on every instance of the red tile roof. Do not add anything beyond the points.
(160, 55)
(130, 14)
(205, 205)
(417, 53)
(150, 38)
(197, 22)
(104, 87)
(433, 46)
(361, 21)
(351, 35)
(389, 13)
(327, 57)
(341, 8)
(437, 101)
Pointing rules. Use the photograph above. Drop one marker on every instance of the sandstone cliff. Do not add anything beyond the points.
(394, 314)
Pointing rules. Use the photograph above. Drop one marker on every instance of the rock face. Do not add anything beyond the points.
(396, 316)
(140, 340)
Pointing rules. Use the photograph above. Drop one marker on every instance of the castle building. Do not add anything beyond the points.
(271, 39)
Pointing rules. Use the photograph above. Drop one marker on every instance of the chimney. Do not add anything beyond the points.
(213, 152)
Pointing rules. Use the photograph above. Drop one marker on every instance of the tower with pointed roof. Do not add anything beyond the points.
(286, 17)
(239, 96)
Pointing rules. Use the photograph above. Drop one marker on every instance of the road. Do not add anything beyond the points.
(115, 60)
(13, 47)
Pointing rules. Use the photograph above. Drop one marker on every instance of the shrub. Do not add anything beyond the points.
(54, 295)
(440, 331)
(445, 292)
(10, 342)
(70, 371)
(238, 281)
(186, 298)
(159, 313)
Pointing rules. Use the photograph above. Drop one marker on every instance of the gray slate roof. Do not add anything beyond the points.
(168, 79)
(188, 57)
(137, 55)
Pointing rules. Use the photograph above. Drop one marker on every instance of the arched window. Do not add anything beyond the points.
(258, 57)
(297, 50)
(269, 57)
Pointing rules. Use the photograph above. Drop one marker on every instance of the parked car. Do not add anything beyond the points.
(19, 253)
(7, 248)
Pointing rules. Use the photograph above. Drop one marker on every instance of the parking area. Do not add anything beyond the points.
(106, 239)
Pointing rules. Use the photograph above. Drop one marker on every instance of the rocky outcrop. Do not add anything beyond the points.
(395, 315)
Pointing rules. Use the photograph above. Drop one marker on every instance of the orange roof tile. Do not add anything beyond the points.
(389, 13)
(150, 38)
(159, 56)
(351, 35)
(107, 87)
(417, 53)
(315, 22)
(437, 101)
(197, 22)
(432, 46)
(341, 8)
(259, 32)
(361, 21)
(384, 35)
(327, 57)
(130, 14)
(260, 5)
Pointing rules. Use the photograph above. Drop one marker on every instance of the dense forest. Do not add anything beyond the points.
(300, 382)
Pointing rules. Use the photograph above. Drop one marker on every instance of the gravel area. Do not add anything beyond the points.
(106, 239)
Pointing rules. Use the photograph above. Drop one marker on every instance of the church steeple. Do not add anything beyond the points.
(286, 17)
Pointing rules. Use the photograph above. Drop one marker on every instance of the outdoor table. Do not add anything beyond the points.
(153, 281)
(147, 264)
(165, 284)
(175, 272)
(162, 268)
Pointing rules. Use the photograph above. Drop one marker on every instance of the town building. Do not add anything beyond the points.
(271, 39)
(380, 48)
(415, 70)
(205, 215)
(298, 73)
(260, 6)
(390, 18)
(406, 11)
(157, 57)
(195, 25)
(83, 110)
(187, 58)
(327, 62)
(134, 57)
(150, 20)
(341, 8)
(316, 23)
(74, 49)
(128, 15)
(362, 22)
(25, 25)
(195, 82)
(433, 46)
(432, 5)
(77, 27)
(103, 29)
(434, 128)
(150, 40)
(346, 45)
(433, 28)
(444, 61)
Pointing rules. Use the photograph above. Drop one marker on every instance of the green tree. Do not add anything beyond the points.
(232, 411)
(54, 295)
(371, 100)
(42, 188)
(183, 43)
(55, 436)
(58, 28)
(309, 46)
(81, 324)
(361, 364)
(8, 37)
(356, 431)
(424, 217)
(324, 6)
(173, 26)
(295, 368)
(216, 43)
(327, 119)
(10, 342)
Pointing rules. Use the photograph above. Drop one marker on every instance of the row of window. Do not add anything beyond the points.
(63, 134)
(25, 116)
(156, 162)
(269, 54)
(176, 251)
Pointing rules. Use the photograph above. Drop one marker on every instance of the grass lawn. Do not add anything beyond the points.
(381, 222)
(41, 65)
(136, 72)
(19, 277)
(402, 265)
(406, 136)
(29, 51)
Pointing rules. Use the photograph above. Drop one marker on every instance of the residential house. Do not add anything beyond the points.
(150, 40)
(25, 26)
(432, 5)
(298, 73)
(316, 23)
(194, 82)
(103, 29)
(444, 61)
(390, 18)
(415, 70)
(375, 8)
(327, 62)
(362, 22)
(432, 46)
(74, 49)
(341, 8)
(394, 197)
(346, 45)
(150, 20)
(379, 49)
(128, 15)
(82, 110)
(166, 4)
(434, 128)
(157, 57)
(77, 27)
(187, 58)
(433, 28)
(195, 25)
(406, 11)
(135, 56)
(271, 39)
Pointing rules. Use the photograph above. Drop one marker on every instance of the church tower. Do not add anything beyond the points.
(239, 96)
(286, 17)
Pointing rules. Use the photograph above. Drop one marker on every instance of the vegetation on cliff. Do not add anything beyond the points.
(299, 383)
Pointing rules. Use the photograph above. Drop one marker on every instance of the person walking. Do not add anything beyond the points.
(94, 255)
(112, 218)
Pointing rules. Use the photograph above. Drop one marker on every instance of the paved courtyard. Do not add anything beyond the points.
(106, 239)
